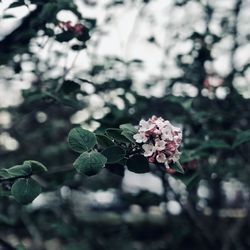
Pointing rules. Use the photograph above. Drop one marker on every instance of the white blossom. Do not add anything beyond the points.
(140, 137)
(146, 126)
(149, 149)
(160, 145)
(161, 158)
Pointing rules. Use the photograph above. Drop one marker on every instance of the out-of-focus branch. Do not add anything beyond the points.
(5, 245)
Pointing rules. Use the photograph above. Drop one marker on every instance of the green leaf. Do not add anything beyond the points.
(129, 135)
(242, 137)
(103, 141)
(128, 127)
(138, 164)
(214, 143)
(81, 140)
(36, 167)
(25, 190)
(114, 154)
(20, 246)
(116, 134)
(18, 170)
(89, 163)
(189, 179)
(177, 166)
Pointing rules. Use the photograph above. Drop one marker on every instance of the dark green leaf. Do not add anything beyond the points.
(242, 137)
(189, 179)
(90, 163)
(36, 167)
(128, 127)
(81, 140)
(25, 190)
(103, 141)
(138, 164)
(214, 143)
(116, 134)
(114, 154)
(20, 247)
(129, 135)
(19, 170)
(177, 166)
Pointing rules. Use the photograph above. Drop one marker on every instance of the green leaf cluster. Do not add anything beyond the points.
(24, 189)
(112, 149)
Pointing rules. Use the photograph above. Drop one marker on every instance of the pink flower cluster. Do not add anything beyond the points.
(160, 140)
(68, 26)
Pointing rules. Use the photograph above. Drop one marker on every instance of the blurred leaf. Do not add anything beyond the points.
(215, 143)
(116, 134)
(104, 141)
(114, 154)
(138, 164)
(25, 190)
(177, 166)
(90, 163)
(19, 170)
(189, 179)
(128, 127)
(36, 166)
(20, 246)
(129, 135)
(242, 137)
(81, 140)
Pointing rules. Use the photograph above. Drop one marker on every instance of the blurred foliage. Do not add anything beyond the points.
(216, 136)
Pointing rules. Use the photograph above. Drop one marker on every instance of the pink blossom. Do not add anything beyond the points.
(167, 133)
(146, 126)
(170, 147)
(160, 144)
(149, 149)
(161, 158)
(161, 141)
(140, 137)
(176, 156)
(151, 159)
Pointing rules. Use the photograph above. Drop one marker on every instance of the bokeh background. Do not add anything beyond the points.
(185, 60)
